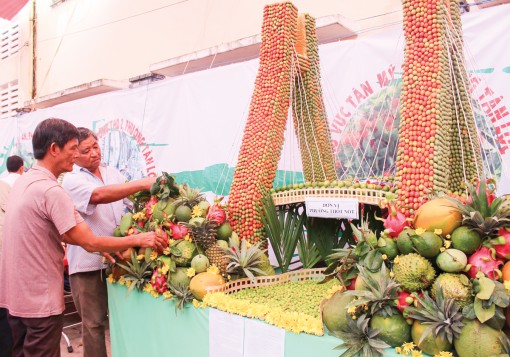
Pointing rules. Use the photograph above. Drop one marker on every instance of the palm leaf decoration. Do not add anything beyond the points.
(283, 227)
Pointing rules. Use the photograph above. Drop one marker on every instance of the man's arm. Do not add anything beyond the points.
(112, 193)
(83, 236)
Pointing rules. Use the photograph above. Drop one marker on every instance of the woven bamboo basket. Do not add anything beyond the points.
(363, 195)
(241, 284)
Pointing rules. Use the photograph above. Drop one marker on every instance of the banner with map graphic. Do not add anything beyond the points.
(192, 125)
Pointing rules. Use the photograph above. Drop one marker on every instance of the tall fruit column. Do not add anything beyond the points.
(264, 131)
(308, 111)
(435, 152)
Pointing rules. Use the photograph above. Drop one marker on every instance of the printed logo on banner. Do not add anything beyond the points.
(123, 146)
(364, 131)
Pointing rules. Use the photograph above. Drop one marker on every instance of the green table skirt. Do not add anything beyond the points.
(141, 325)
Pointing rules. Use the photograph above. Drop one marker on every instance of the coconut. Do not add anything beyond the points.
(334, 312)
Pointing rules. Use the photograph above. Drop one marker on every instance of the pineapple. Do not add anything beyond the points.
(360, 339)
(378, 299)
(203, 233)
(243, 261)
(216, 256)
(188, 196)
(137, 273)
(181, 294)
(483, 213)
(437, 322)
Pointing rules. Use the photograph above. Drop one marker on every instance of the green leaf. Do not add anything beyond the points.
(481, 313)
(373, 261)
(469, 312)
(486, 288)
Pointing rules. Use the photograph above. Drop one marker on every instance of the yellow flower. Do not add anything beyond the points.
(139, 216)
(507, 284)
(419, 231)
(408, 347)
(154, 255)
(140, 257)
(384, 257)
(416, 353)
(166, 251)
(392, 274)
(448, 236)
(213, 269)
(442, 249)
(197, 212)
(438, 231)
(164, 269)
(447, 244)
(443, 354)
(190, 272)
(170, 241)
(398, 350)
(351, 310)
(396, 260)
(111, 279)
(167, 295)
(188, 238)
(197, 304)
(122, 280)
(148, 288)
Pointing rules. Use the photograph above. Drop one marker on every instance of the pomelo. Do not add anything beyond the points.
(224, 231)
(183, 213)
(466, 239)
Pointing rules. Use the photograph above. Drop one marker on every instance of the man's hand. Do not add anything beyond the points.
(147, 182)
(153, 240)
(108, 257)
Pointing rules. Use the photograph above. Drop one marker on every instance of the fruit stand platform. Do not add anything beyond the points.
(141, 325)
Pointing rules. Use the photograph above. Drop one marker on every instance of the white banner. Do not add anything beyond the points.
(192, 125)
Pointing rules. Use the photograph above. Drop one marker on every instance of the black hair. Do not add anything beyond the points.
(52, 130)
(14, 162)
(84, 133)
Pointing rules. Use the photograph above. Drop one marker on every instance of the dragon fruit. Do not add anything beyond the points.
(158, 282)
(483, 260)
(216, 214)
(395, 222)
(503, 250)
(148, 206)
(178, 231)
(404, 299)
